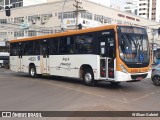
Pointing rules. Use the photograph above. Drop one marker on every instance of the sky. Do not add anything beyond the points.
(117, 4)
(103, 2)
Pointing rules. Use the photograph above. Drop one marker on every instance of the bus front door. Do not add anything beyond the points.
(19, 60)
(107, 61)
(45, 57)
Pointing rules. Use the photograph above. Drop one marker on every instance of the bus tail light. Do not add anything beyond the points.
(103, 72)
(123, 69)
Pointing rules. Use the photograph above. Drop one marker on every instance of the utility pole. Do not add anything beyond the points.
(78, 9)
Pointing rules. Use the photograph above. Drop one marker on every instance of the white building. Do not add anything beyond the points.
(145, 8)
(47, 18)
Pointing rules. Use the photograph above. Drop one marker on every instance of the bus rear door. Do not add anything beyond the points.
(20, 55)
(107, 53)
(45, 57)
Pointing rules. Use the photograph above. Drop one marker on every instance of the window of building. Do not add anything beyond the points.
(33, 18)
(16, 3)
(32, 33)
(46, 16)
(119, 21)
(3, 21)
(86, 15)
(98, 17)
(18, 19)
(107, 20)
(66, 15)
(45, 32)
(19, 33)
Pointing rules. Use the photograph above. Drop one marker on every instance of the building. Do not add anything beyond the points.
(149, 9)
(21, 3)
(131, 6)
(47, 18)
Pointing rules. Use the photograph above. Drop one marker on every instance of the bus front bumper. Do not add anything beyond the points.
(121, 76)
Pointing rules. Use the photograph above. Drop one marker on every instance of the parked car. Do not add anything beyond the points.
(156, 75)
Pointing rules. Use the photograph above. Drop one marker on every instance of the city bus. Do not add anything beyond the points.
(112, 53)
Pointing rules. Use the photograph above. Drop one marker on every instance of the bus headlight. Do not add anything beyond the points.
(123, 69)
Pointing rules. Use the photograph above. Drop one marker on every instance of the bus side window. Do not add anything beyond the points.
(54, 48)
(13, 49)
(84, 43)
(28, 48)
(70, 45)
(111, 48)
(63, 45)
(36, 47)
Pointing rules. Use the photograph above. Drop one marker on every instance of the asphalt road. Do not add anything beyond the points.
(19, 92)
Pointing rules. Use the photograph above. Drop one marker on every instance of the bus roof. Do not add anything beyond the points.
(66, 33)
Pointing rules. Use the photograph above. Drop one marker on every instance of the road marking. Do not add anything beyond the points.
(70, 88)
(139, 98)
(124, 100)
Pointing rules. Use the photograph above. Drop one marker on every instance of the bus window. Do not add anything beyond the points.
(45, 45)
(36, 47)
(54, 45)
(66, 45)
(111, 47)
(70, 44)
(20, 50)
(84, 43)
(28, 48)
(13, 49)
(63, 45)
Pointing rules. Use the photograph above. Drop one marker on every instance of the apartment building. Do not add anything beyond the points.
(47, 18)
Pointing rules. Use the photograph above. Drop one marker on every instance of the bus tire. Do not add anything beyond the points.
(156, 80)
(88, 77)
(32, 71)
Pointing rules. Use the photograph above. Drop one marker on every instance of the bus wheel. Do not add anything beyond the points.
(32, 71)
(156, 80)
(0, 65)
(88, 77)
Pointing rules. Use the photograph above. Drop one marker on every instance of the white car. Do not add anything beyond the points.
(156, 75)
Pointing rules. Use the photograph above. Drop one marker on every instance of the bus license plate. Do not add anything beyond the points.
(139, 78)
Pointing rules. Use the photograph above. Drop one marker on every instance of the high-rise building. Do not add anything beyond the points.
(149, 9)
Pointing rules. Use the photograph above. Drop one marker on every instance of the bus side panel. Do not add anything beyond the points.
(69, 65)
(76, 61)
(27, 60)
(14, 62)
(57, 65)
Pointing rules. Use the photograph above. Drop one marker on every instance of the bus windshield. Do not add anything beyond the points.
(133, 44)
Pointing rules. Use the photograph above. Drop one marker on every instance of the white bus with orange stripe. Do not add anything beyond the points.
(112, 53)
